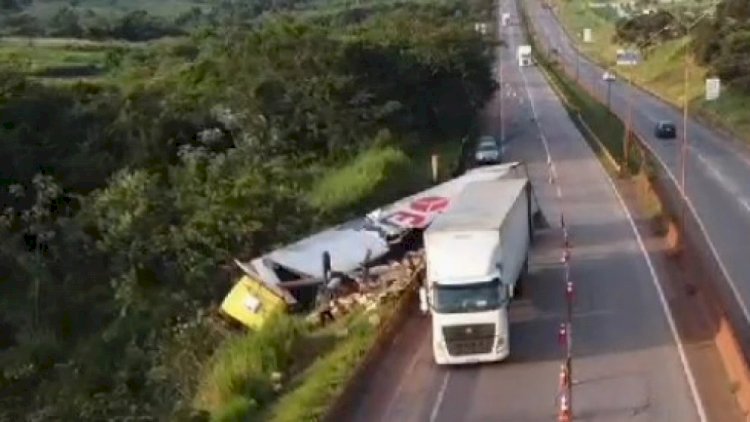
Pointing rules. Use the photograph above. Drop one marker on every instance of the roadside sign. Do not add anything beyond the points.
(713, 89)
(627, 58)
(482, 28)
(587, 35)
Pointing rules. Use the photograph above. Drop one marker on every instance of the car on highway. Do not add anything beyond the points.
(665, 129)
(488, 151)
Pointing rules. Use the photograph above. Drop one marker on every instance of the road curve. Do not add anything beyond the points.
(627, 365)
(717, 167)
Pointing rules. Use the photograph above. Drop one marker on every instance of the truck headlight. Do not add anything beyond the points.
(500, 344)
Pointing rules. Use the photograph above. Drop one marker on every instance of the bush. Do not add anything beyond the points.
(243, 366)
(349, 185)
(239, 409)
(325, 378)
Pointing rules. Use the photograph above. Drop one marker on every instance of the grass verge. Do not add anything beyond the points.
(325, 379)
(381, 174)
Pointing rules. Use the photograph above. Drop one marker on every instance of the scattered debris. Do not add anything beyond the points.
(365, 262)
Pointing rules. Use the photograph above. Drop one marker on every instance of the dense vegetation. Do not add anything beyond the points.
(125, 20)
(647, 30)
(123, 202)
(723, 43)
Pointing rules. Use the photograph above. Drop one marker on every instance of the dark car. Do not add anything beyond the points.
(665, 129)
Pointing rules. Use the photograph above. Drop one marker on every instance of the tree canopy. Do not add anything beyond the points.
(124, 201)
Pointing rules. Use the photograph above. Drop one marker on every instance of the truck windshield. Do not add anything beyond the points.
(475, 297)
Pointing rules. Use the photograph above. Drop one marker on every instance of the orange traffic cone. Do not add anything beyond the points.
(564, 380)
(565, 414)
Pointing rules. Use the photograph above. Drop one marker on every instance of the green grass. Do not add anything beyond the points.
(53, 59)
(357, 181)
(380, 175)
(243, 367)
(314, 366)
(325, 379)
(163, 8)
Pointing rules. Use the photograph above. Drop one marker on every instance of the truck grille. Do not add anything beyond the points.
(469, 339)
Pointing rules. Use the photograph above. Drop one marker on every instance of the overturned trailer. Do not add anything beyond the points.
(296, 272)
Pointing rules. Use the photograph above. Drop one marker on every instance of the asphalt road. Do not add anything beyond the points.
(627, 365)
(717, 168)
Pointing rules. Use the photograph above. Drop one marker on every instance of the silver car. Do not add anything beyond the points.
(488, 151)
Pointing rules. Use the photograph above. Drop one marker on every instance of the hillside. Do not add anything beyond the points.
(127, 194)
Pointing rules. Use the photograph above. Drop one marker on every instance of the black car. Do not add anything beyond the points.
(665, 129)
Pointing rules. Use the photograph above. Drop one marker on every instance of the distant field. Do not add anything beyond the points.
(164, 8)
(59, 59)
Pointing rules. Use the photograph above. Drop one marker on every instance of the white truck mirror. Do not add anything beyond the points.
(423, 306)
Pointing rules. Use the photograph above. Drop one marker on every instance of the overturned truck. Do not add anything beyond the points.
(352, 254)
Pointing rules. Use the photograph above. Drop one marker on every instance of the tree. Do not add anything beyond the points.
(648, 29)
(65, 23)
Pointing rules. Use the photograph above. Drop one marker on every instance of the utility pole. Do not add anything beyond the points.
(628, 128)
(684, 146)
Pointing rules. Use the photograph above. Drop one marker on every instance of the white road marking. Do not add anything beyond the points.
(665, 305)
(654, 277)
(439, 400)
(722, 179)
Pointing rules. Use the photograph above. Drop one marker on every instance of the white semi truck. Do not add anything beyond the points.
(523, 53)
(477, 255)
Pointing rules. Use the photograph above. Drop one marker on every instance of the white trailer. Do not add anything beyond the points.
(523, 54)
(477, 254)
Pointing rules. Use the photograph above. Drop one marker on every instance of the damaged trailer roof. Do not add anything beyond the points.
(349, 243)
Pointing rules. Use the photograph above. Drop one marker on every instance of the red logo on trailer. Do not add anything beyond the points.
(420, 213)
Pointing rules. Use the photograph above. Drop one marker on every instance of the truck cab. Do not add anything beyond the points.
(477, 255)
(470, 321)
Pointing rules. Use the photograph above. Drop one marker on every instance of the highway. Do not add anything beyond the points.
(717, 168)
(627, 362)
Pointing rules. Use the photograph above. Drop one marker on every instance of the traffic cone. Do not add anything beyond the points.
(562, 335)
(564, 379)
(565, 413)
(569, 290)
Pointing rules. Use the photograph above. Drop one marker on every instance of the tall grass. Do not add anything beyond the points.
(370, 171)
(240, 374)
(324, 380)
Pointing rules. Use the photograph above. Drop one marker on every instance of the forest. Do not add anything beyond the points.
(125, 199)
